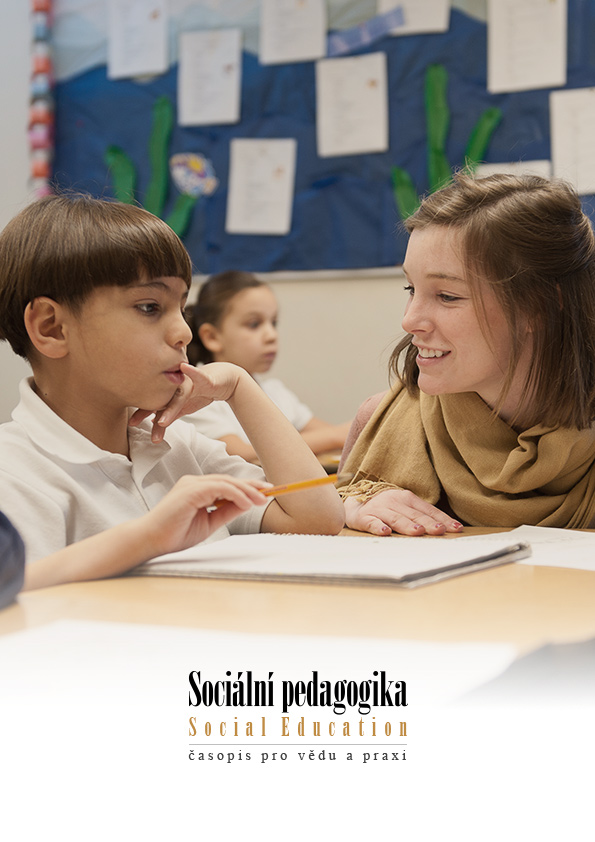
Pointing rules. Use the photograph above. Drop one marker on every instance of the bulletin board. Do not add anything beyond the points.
(344, 214)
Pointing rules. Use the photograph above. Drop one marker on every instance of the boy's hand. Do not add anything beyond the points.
(201, 386)
(184, 517)
(181, 519)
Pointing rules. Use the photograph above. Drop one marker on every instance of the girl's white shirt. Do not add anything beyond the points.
(218, 420)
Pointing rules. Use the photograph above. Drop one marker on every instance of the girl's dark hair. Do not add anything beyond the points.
(529, 239)
(65, 246)
(211, 306)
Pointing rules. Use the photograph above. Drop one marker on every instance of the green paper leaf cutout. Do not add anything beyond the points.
(163, 120)
(481, 136)
(404, 191)
(179, 218)
(123, 173)
(438, 122)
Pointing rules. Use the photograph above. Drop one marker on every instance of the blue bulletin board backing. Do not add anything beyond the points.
(344, 211)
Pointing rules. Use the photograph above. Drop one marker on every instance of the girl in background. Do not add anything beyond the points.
(235, 320)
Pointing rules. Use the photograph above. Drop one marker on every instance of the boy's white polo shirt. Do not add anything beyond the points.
(57, 487)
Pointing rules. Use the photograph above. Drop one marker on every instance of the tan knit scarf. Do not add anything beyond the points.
(453, 446)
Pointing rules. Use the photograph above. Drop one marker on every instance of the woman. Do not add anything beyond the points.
(490, 419)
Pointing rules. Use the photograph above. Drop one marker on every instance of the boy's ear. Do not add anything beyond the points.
(44, 321)
(209, 336)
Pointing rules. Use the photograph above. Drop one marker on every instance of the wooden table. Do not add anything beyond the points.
(520, 604)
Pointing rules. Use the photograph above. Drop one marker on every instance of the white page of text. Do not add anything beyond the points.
(526, 44)
(209, 77)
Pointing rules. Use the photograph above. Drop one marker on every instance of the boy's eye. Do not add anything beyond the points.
(409, 289)
(148, 308)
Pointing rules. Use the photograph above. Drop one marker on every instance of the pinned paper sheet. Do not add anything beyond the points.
(526, 44)
(209, 77)
(137, 38)
(352, 105)
(292, 30)
(572, 117)
(261, 186)
(419, 15)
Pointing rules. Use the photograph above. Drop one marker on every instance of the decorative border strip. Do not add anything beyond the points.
(41, 108)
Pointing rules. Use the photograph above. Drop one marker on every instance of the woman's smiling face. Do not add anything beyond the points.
(456, 351)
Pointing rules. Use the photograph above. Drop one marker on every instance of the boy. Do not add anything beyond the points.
(92, 294)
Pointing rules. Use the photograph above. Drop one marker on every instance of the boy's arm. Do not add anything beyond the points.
(180, 520)
(285, 457)
(282, 452)
(38, 518)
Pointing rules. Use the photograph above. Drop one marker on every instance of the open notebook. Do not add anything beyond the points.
(406, 562)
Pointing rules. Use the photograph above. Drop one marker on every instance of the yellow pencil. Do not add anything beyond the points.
(299, 486)
(290, 487)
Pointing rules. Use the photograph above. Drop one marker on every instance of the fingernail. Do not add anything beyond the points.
(456, 525)
(163, 421)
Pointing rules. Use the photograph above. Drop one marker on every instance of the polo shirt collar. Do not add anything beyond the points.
(52, 434)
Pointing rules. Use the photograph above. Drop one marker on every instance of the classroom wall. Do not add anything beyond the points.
(336, 336)
(336, 330)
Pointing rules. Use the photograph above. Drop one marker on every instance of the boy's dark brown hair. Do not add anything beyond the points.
(211, 306)
(529, 239)
(65, 246)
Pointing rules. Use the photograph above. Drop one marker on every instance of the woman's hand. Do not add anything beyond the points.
(201, 386)
(399, 511)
